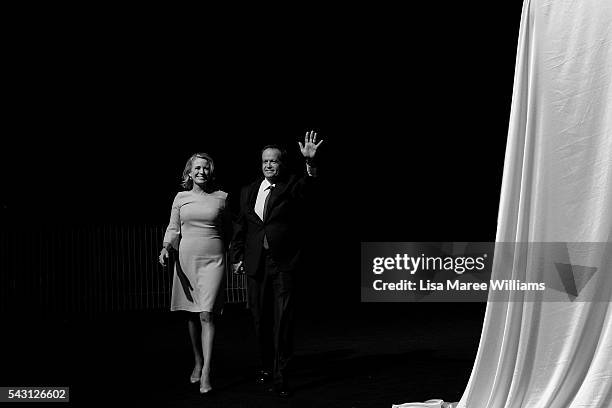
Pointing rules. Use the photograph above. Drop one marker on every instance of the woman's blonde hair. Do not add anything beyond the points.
(187, 182)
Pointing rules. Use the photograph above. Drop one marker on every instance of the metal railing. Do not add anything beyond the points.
(90, 269)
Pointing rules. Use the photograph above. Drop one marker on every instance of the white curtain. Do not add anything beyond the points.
(557, 188)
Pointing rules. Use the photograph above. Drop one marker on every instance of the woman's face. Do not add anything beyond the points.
(200, 171)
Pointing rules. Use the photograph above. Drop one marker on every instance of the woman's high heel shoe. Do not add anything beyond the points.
(194, 377)
(205, 388)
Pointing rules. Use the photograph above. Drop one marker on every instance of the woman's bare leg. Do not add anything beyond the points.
(208, 335)
(194, 334)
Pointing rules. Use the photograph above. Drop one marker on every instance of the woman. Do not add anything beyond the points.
(198, 228)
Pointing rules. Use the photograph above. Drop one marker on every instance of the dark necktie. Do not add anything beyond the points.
(265, 211)
(265, 206)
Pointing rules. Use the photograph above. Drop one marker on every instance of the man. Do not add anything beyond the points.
(266, 247)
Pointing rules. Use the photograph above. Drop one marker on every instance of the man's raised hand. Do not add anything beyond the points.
(310, 146)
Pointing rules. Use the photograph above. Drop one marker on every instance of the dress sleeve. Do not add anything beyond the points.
(225, 222)
(173, 232)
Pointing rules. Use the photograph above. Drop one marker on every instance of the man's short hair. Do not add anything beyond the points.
(283, 152)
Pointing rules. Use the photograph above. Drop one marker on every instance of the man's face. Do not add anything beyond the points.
(271, 164)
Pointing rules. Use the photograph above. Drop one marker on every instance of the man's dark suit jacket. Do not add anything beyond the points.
(281, 225)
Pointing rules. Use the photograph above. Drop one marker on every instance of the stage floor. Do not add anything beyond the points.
(367, 355)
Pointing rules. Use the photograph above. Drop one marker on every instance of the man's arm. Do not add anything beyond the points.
(311, 168)
(309, 151)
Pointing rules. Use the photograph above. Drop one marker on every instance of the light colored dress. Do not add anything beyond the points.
(196, 228)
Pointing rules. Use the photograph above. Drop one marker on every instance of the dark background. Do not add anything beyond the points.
(412, 105)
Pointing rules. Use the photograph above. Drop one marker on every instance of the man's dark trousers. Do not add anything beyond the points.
(271, 299)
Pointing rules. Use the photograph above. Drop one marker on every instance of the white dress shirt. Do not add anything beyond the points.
(264, 190)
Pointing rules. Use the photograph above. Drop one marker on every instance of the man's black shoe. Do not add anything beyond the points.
(263, 377)
(280, 390)
(283, 392)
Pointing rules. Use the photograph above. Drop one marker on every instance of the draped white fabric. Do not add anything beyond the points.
(557, 187)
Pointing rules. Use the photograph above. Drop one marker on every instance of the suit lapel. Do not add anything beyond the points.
(277, 192)
(252, 197)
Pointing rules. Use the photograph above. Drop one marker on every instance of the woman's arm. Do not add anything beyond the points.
(173, 232)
